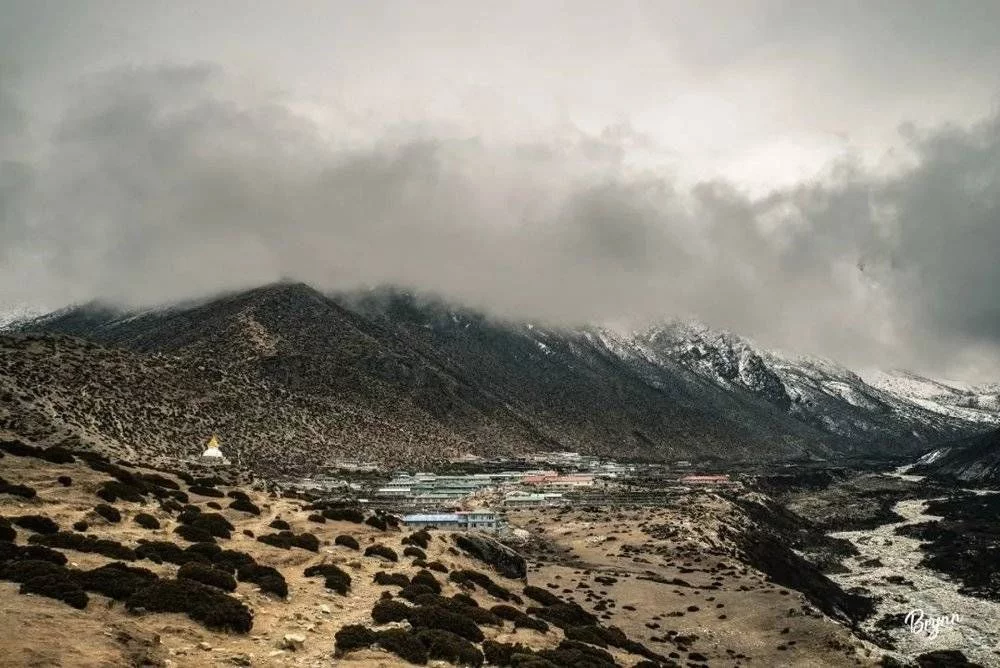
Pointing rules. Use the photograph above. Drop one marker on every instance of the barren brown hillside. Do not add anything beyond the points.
(667, 580)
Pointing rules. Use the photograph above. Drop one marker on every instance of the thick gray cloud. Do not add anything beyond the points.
(521, 183)
(156, 189)
(759, 90)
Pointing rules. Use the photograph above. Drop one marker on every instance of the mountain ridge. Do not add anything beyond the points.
(816, 391)
(406, 378)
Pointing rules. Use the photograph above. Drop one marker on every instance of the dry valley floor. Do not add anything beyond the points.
(667, 578)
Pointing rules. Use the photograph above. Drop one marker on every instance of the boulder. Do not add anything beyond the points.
(505, 560)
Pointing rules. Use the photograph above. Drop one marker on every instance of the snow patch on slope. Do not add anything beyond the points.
(933, 456)
(907, 384)
(967, 403)
(11, 314)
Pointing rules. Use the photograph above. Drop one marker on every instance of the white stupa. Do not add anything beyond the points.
(212, 454)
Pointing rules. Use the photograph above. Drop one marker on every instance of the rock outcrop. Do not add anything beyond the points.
(504, 559)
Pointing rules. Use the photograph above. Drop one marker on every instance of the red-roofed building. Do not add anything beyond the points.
(561, 481)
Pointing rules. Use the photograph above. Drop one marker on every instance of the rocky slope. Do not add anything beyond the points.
(290, 377)
(574, 384)
(64, 390)
(974, 460)
(287, 378)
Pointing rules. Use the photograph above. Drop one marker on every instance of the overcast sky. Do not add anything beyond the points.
(822, 176)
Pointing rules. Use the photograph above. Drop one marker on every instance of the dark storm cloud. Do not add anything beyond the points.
(16, 174)
(948, 234)
(158, 184)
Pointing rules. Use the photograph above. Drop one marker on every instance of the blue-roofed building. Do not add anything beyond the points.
(480, 520)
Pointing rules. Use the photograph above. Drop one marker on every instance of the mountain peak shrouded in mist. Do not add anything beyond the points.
(149, 159)
(388, 368)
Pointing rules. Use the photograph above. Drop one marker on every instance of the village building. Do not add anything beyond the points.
(428, 488)
(351, 465)
(471, 520)
(555, 481)
(528, 500)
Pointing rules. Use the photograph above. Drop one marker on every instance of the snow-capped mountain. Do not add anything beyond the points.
(960, 400)
(821, 393)
(724, 358)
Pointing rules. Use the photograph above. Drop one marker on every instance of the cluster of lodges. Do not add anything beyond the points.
(522, 488)
(563, 461)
